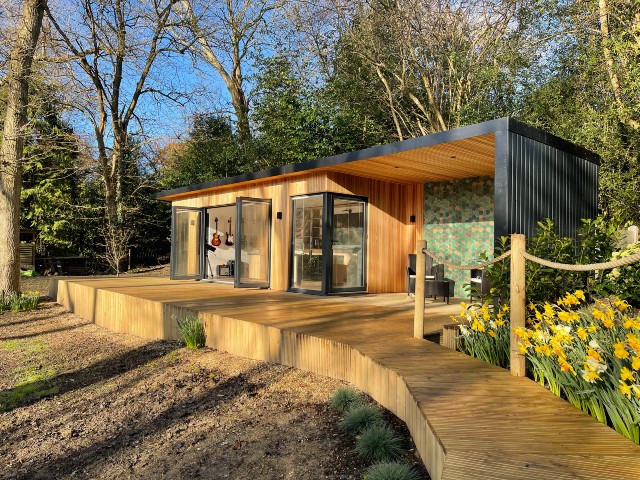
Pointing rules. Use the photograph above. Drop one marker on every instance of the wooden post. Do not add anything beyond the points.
(418, 316)
(517, 302)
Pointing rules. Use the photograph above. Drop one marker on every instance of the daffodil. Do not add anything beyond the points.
(625, 389)
(590, 376)
(620, 351)
(582, 334)
(635, 363)
(621, 305)
(579, 295)
(597, 314)
(626, 374)
(492, 334)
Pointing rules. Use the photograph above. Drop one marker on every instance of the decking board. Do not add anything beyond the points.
(468, 419)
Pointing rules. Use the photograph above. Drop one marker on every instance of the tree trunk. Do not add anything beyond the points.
(11, 150)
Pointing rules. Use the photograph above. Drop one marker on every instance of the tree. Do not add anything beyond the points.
(297, 121)
(226, 34)
(11, 150)
(114, 45)
(438, 64)
(588, 91)
(212, 151)
(52, 176)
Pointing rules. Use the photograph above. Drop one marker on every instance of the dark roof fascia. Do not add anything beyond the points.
(460, 133)
(547, 138)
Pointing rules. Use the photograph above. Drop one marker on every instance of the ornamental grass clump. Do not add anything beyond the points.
(378, 443)
(589, 355)
(391, 471)
(359, 417)
(192, 331)
(485, 334)
(344, 398)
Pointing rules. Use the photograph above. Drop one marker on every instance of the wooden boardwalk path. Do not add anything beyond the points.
(469, 420)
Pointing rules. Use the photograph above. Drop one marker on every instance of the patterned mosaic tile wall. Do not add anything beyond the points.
(458, 223)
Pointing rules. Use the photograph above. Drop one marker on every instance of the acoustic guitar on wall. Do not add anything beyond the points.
(229, 240)
(215, 241)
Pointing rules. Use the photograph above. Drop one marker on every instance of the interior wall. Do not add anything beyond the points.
(391, 234)
(223, 252)
(458, 223)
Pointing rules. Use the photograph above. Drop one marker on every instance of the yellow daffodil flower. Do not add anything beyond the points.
(579, 295)
(582, 334)
(620, 351)
(626, 374)
(625, 389)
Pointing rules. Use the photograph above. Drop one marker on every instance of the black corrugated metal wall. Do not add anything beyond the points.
(535, 181)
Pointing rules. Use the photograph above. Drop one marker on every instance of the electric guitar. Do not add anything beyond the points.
(229, 240)
(215, 241)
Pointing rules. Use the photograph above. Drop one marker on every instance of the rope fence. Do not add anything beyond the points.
(619, 262)
(518, 255)
(455, 266)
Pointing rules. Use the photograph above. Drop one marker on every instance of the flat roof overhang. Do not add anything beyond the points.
(463, 152)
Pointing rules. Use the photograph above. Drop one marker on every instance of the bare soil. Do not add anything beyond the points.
(79, 401)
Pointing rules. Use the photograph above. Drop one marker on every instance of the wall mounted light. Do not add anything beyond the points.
(279, 215)
(412, 219)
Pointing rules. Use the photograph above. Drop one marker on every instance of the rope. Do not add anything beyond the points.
(455, 266)
(620, 262)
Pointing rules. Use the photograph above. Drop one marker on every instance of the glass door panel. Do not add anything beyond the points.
(348, 244)
(253, 242)
(307, 245)
(186, 244)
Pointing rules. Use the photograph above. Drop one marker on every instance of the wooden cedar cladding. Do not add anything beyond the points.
(391, 235)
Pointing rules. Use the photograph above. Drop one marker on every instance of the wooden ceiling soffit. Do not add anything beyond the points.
(470, 157)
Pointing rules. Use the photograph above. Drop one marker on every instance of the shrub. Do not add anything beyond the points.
(391, 471)
(344, 398)
(378, 443)
(624, 282)
(192, 331)
(360, 417)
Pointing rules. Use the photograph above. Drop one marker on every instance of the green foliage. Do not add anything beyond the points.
(594, 244)
(379, 443)
(298, 121)
(212, 151)
(391, 471)
(344, 398)
(360, 417)
(19, 302)
(624, 282)
(192, 331)
(572, 94)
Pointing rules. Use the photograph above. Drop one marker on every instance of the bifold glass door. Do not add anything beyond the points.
(307, 244)
(253, 242)
(348, 244)
(328, 246)
(186, 243)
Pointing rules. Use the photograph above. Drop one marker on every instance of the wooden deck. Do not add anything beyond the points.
(469, 420)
